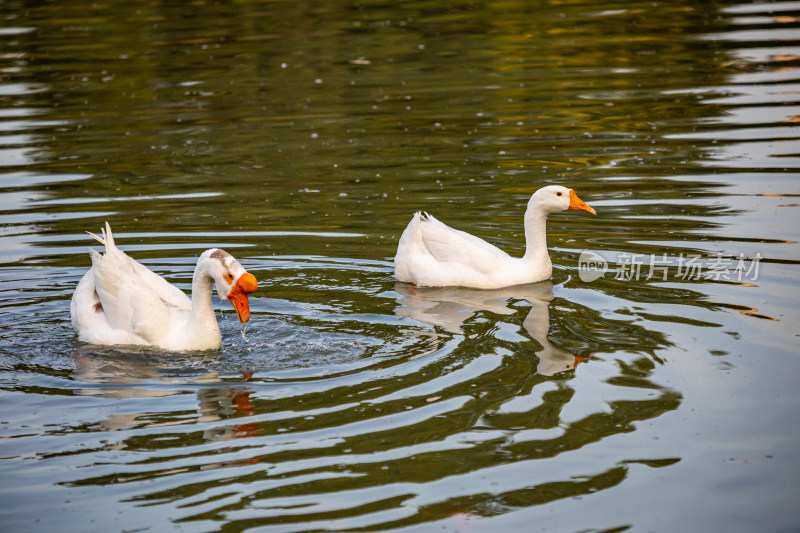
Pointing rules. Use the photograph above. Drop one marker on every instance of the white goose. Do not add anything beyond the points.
(432, 254)
(120, 301)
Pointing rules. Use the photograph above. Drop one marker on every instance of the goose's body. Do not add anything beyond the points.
(432, 254)
(120, 301)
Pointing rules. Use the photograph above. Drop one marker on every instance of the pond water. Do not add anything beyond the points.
(657, 392)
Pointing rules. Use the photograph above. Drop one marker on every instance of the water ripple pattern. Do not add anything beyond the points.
(655, 391)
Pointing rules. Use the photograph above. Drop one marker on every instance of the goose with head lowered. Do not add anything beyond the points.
(121, 301)
(432, 254)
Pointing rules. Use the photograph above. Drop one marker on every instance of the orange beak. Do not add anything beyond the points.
(579, 205)
(246, 284)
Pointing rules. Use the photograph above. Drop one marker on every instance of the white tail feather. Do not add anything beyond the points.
(98, 238)
(107, 238)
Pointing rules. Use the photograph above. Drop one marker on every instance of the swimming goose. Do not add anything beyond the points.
(432, 254)
(121, 301)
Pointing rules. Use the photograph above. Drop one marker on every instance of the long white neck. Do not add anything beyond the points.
(202, 320)
(535, 235)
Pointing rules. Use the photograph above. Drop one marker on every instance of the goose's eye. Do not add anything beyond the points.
(558, 194)
(229, 277)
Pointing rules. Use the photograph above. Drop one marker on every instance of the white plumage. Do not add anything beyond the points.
(120, 301)
(432, 254)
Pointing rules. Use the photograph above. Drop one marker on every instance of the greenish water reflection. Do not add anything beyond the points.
(301, 137)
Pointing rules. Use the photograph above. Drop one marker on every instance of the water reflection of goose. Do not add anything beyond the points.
(449, 307)
(432, 254)
(120, 301)
(130, 376)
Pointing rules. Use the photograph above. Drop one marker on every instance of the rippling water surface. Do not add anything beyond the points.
(300, 137)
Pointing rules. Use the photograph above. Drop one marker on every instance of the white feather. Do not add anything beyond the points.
(120, 301)
(431, 253)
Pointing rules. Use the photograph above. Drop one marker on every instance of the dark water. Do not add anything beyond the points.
(300, 136)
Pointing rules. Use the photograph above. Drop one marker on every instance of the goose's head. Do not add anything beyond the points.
(233, 282)
(555, 198)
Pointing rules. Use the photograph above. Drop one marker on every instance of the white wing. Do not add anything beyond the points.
(171, 295)
(128, 302)
(448, 245)
(120, 301)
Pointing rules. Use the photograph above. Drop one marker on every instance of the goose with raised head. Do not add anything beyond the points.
(432, 254)
(121, 301)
